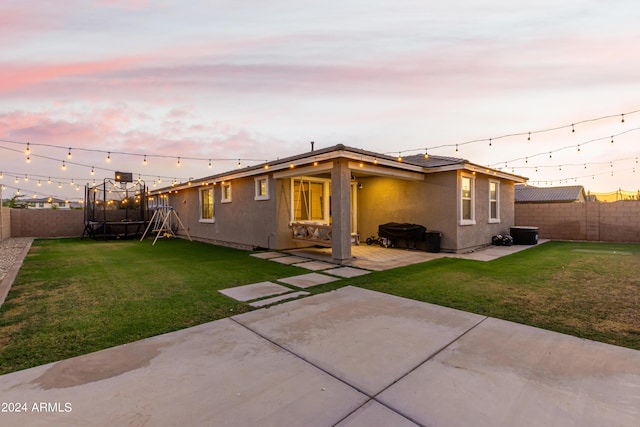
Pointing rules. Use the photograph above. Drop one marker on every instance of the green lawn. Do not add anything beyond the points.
(76, 296)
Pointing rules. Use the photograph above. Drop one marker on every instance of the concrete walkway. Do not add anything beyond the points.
(350, 357)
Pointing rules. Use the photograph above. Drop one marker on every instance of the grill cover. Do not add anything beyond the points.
(396, 230)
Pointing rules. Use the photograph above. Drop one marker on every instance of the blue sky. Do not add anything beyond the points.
(260, 80)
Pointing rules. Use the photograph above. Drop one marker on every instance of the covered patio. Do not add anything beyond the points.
(378, 258)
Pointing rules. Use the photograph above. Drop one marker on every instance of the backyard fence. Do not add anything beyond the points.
(594, 221)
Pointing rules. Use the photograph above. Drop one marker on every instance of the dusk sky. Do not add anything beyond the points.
(258, 80)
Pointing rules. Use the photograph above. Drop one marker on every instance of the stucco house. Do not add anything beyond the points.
(329, 196)
(47, 203)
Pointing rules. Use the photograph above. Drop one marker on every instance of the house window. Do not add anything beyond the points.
(262, 188)
(206, 205)
(494, 201)
(310, 200)
(467, 208)
(226, 192)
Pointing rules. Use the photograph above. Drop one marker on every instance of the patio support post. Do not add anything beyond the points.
(341, 210)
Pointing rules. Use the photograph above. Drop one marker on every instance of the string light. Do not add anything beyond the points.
(144, 161)
(209, 163)
(573, 129)
(179, 164)
(529, 137)
(490, 142)
(426, 156)
(612, 139)
(108, 156)
(69, 153)
(239, 166)
(622, 115)
(92, 171)
(27, 150)
(28, 158)
(64, 166)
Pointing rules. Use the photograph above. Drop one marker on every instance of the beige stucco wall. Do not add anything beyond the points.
(243, 222)
(433, 203)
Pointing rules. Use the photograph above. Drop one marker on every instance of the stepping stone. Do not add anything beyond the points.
(308, 280)
(347, 272)
(289, 260)
(254, 291)
(263, 302)
(267, 255)
(315, 265)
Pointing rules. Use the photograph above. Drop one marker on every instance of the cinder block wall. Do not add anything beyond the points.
(610, 222)
(46, 223)
(6, 223)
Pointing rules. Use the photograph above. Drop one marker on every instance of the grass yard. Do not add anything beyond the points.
(590, 290)
(74, 296)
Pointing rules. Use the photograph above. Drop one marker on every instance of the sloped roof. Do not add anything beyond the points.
(433, 161)
(529, 194)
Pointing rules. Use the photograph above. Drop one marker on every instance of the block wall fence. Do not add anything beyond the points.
(593, 221)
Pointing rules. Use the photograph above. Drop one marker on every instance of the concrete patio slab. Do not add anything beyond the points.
(267, 255)
(315, 265)
(347, 272)
(374, 414)
(214, 374)
(506, 374)
(269, 301)
(308, 280)
(254, 291)
(365, 338)
(289, 260)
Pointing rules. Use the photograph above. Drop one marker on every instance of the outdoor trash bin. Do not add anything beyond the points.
(524, 235)
(433, 240)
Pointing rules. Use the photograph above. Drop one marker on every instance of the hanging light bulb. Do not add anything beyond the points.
(578, 148)
(92, 171)
(39, 183)
(59, 185)
(179, 163)
(209, 163)
(622, 121)
(526, 160)
(108, 156)
(612, 139)
(549, 154)
(266, 166)
(26, 178)
(426, 155)
(456, 148)
(573, 129)
(529, 137)
(144, 161)
(17, 180)
(69, 153)
(64, 166)
(27, 150)
(49, 180)
(399, 156)
(28, 158)
(490, 142)
(239, 163)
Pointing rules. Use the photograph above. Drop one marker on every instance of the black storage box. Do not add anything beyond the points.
(524, 235)
(433, 240)
(395, 232)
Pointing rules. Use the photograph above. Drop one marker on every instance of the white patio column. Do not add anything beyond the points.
(341, 210)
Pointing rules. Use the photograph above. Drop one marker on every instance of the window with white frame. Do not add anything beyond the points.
(494, 201)
(467, 202)
(262, 188)
(310, 201)
(226, 192)
(206, 205)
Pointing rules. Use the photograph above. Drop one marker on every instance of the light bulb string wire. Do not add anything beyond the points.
(146, 156)
(513, 135)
